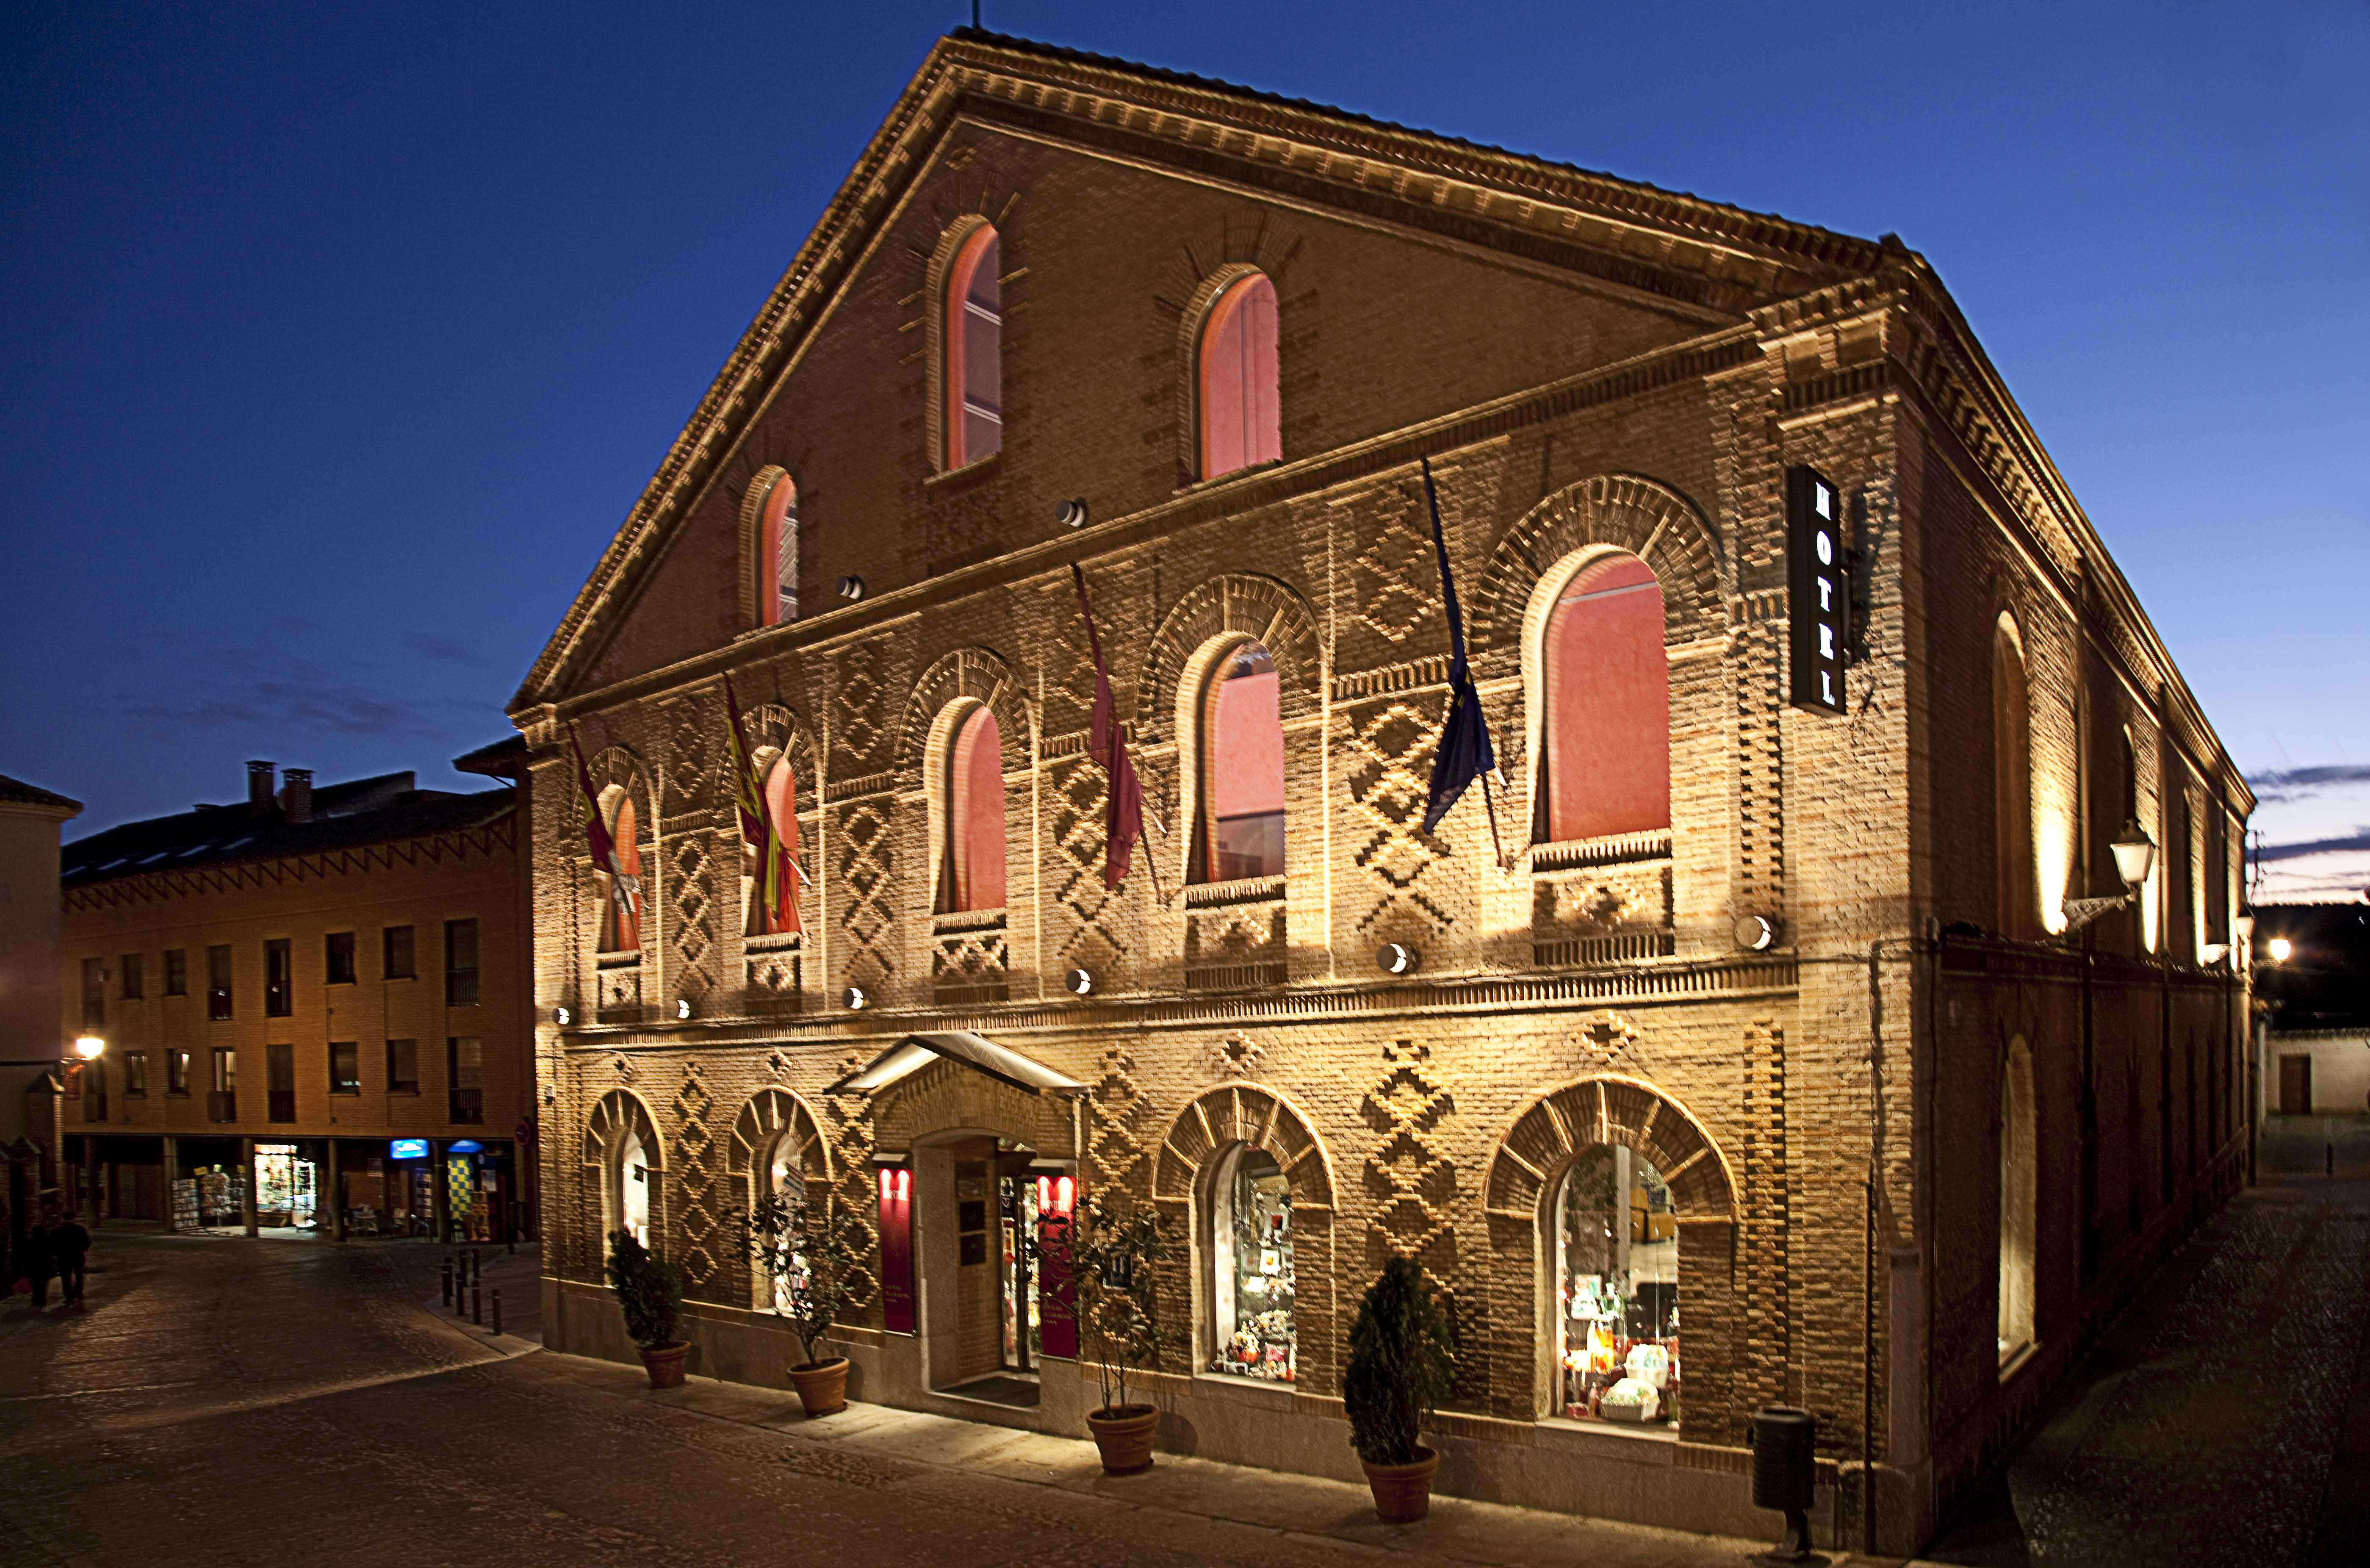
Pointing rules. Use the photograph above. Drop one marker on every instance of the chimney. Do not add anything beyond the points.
(258, 787)
(297, 800)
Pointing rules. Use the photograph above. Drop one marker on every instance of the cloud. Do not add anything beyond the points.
(2358, 840)
(446, 649)
(2283, 785)
(286, 707)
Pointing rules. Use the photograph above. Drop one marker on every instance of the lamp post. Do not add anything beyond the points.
(2134, 858)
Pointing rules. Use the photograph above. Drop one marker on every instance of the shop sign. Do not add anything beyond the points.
(1819, 592)
(407, 1148)
(463, 1145)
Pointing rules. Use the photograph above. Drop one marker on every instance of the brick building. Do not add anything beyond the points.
(31, 1049)
(316, 1009)
(1765, 1013)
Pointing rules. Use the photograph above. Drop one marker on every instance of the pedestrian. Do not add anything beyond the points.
(33, 1259)
(69, 1245)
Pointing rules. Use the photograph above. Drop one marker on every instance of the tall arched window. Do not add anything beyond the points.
(1240, 828)
(781, 797)
(776, 553)
(1618, 1290)
(633, 1179)
(1238, 411)
(1605, 756)
(974, 350)
(2019, 1203)
(1253, 1283)
(972, 876)
(621, 906)
(2018, 903)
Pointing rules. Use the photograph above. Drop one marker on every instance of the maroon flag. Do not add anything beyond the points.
(625, 890)
(1106, 743)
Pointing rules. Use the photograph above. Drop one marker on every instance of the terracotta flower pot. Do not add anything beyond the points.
(1403, 1493)
(822, 1386)
(664, 1363)
(1124, 1436)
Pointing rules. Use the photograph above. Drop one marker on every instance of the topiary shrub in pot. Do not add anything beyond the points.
(1112, 1254)
(816, 1253)
(1400, 1368)
(650, 1292)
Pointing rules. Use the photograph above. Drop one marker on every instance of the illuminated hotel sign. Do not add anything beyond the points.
(1819, 612)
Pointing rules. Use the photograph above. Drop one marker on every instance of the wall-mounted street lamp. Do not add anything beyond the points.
(2280, 948)
(90, 1047)
(2134, 858)
(1396, 959)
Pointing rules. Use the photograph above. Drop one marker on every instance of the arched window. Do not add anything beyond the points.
(974, 351)
(2019, 1199)
(1605, 756)
(1240, 828)
(633, 1179)
(781, 797)
(972, 876)
(776, 553)
(1238, 410)
(2018, 903)
(1251, 1276)
(1617, 1290)
(621, 905)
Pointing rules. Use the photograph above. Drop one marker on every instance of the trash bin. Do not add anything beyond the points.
(1783, 1441)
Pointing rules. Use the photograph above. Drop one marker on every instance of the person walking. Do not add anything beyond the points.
(69, 1245)
(33, 1259)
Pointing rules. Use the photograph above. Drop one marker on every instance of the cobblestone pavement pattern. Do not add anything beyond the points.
(2205, 1427)
(290, 1404)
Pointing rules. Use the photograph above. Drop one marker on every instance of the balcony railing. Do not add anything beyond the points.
(469, 1105)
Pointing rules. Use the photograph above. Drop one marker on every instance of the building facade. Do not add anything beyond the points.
(2312, 1021)
(1736, 1049)
(31, 1049)
(316, 1009)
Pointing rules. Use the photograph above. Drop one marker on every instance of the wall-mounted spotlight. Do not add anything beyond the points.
(851, 588)
(854, 999)
(1073, 515)
(1081, 982)
(1396, 958)
(1754, 933)
(561, 1017)
(681, 1008)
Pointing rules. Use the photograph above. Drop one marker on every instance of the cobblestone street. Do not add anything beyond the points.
(226, 1401)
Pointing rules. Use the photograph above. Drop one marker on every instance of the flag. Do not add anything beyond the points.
(625, 890)
(1465, 753)
(1124, 812)
(777, 869)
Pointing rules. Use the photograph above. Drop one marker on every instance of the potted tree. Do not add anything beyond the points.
(1112, 1257)
(815, 1254)
(650, 1293)
(1398, 1369)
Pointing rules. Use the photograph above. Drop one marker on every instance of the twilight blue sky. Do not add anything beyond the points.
(335, 339)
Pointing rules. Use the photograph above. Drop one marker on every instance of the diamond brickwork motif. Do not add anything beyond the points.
(695, 914)
(689, 753)
(1120, 1112)
(850, 1129)
(1079, 789)
(1410, 1180)
(870, 918)
(857, 734)
(695, 1167)
(1396, 579)
(1392, 745)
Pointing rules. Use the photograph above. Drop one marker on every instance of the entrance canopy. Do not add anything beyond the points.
(976, 1052)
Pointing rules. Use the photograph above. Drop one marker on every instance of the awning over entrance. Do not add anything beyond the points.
(976, 1052)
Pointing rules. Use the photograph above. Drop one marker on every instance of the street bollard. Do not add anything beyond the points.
(498, 1311)
(476, 1306)
(447, 1272)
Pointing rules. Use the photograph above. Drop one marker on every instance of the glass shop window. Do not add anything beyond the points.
(1250, 1245)
(1617, 1291)
(633, 1179)
(1240, 833)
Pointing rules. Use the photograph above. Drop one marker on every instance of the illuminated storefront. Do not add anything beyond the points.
(1252, 1270)
(1617, 1293)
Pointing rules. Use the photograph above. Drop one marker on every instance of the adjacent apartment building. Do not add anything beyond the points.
(316, 1008)
(32, 1052)
(1747, 1043)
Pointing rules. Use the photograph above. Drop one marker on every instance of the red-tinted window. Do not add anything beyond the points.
(974, 868)
(974, 352)
(1240, 412)
(777, 554)
(1241, 829)
(621, 924)
(782, 807)
(1605, 760)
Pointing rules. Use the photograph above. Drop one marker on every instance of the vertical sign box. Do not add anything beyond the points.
(896, 1248)
(1819, 601)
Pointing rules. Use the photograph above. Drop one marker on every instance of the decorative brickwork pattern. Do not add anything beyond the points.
(702, 1204)
(1390, 748)
(1410, 1176)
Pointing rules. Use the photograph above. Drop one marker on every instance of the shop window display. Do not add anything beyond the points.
(284, 1186)
(1617, 1291)
(784, 1179)
(633, 1189)
(1252, 1241)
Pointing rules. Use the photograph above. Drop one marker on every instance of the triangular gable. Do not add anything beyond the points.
(1680, 248)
